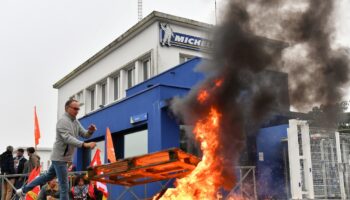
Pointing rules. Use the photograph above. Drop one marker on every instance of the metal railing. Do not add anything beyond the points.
(246, 186)
(5, 179)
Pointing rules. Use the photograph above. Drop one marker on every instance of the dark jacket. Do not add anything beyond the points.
(20, 166)
(7, 164)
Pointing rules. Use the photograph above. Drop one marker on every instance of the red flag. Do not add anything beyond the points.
(94, 162)
(110, 147)
(33, 194)
(36, 128)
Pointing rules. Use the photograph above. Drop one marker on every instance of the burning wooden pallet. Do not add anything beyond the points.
(162, 165)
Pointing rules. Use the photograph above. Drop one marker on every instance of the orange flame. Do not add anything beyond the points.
(218, 82)
(202, 96)
(204, 181)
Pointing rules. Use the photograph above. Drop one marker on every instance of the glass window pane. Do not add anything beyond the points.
(131, 76)
(103, 93)
(92, 99)
(146, 70)
(136, 143)
(99, 145)
(116, 87)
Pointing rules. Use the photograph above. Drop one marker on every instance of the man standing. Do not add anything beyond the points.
(33, 160)
(7, 167)
(68, 129)
(19, 162)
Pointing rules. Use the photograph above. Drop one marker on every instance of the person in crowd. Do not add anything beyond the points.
(68, 131)
(32, 162)
(49, 191)
(94, 193)
(19, 162)
(80, 189)
(7, 167)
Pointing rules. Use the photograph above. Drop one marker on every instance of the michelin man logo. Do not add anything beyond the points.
(168, 33)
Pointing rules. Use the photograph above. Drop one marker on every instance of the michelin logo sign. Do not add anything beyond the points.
(170, 38)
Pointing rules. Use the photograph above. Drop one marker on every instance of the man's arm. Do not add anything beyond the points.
(63, 130)
(86, 133)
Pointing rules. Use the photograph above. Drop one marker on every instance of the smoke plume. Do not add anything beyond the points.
(253, 40)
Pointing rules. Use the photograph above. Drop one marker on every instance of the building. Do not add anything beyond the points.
(126, 87)
(155, 44)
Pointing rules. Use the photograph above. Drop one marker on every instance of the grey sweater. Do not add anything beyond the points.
(68, 129)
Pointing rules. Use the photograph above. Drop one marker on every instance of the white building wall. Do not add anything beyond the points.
(45, 160)
(146, 42)
(119, 58)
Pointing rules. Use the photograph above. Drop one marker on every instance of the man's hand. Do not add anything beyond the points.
(90, 145)
(92, 128)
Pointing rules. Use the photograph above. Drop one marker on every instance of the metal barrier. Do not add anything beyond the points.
(5, 179)
(246, 186)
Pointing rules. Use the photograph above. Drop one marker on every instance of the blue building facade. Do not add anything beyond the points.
(145, 108)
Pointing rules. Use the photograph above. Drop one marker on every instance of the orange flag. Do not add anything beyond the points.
(36, 128)
(94, 162)
(110, 147)
(33, 194)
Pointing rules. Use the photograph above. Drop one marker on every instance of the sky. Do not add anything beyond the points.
(41, 41)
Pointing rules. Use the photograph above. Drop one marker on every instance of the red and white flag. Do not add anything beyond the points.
(94, 162)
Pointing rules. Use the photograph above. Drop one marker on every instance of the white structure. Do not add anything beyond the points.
(319, 162)
(135, 56)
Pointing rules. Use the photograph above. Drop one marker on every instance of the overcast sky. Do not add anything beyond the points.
(41, 41)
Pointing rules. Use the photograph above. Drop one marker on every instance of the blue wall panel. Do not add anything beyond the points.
(271, 171)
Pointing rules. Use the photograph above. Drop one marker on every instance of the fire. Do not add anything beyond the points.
(202, 96)
(218, 82)
(203, 182)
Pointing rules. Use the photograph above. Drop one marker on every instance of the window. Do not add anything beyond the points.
(146, 65)
(103, 94)
(131, 77)
(92, 99)
(185, 58)
(116, 87)
(99, 145)
(136, 143)
(80, 98)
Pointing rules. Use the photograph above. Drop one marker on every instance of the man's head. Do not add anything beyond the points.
(20, 152)
(72, 107)
(30, 150)
(52, 183)
(9, 148)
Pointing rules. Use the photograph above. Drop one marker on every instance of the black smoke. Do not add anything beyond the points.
(254, 39)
